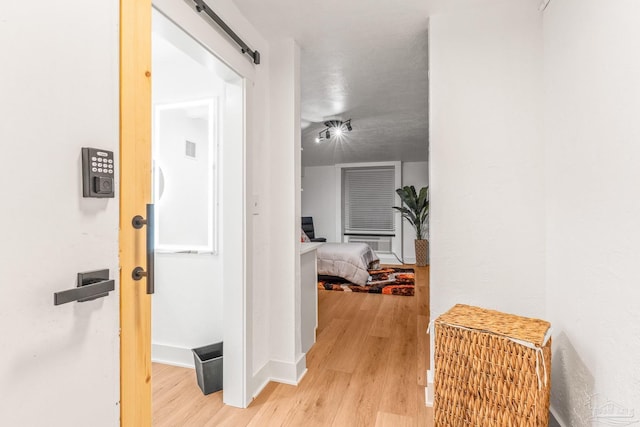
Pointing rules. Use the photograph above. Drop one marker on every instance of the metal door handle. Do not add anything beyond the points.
(91, 285)
(138, 272)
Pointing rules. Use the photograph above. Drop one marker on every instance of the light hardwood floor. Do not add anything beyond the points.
(367, 368)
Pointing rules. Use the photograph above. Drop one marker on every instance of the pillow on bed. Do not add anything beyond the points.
(303, 237)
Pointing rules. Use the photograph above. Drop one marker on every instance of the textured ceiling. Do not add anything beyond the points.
(360, 59)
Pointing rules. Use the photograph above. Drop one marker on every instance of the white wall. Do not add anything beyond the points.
(182, 69)
(182, 204)
(187, 307)
(319, 200)
(592, 134)
(586, 263)
(486, 156)
(416, 174)
(59, 365)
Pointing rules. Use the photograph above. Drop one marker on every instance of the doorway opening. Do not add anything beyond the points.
(198, 191)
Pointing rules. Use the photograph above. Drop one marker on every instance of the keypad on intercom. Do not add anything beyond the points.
(98, 171)
(101, 165)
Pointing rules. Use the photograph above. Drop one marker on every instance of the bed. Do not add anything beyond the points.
(350, 261)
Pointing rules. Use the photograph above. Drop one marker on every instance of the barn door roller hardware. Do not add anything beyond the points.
(201, 6)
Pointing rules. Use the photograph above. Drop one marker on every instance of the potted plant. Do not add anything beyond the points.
(416, 211)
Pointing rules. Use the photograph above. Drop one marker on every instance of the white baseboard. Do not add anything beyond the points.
(428, 390)
(281, 372)
(301, 368)
(171, 355)
(555, 415)
(274, 370)
(260, 380)
(287, 372)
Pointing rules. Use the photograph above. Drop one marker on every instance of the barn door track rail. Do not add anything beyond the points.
(201, 6)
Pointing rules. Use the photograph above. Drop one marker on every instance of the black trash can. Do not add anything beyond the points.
(208, 361)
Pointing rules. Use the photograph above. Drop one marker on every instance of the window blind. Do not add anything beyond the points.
(368, 195)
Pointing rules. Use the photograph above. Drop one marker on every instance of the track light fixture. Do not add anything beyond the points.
(338, 127)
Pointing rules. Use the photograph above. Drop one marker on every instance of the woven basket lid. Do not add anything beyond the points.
(534, 331)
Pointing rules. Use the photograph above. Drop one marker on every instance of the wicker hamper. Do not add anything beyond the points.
(491, 369)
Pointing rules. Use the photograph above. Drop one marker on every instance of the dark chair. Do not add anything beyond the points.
(307, 226)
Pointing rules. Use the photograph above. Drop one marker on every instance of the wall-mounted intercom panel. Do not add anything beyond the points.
(98, 172)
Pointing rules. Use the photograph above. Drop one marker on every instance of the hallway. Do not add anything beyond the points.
(367, 368)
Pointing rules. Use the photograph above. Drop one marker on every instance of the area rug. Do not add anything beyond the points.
(387, 281)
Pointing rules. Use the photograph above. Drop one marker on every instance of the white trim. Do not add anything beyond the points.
(429, 390)
(172, 355)
(396, 243)
(281, 372)
(557, 418)
(288, 372)
(234, 264)
(368, 164)
(338, 194)
(260, 379)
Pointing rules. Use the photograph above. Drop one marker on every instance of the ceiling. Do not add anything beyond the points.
(364, 60)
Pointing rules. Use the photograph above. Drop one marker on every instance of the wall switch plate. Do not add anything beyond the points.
(255, 205)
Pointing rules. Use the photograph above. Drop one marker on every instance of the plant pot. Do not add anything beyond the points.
(422, 252)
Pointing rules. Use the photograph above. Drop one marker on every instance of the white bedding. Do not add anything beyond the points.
(350, 261)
